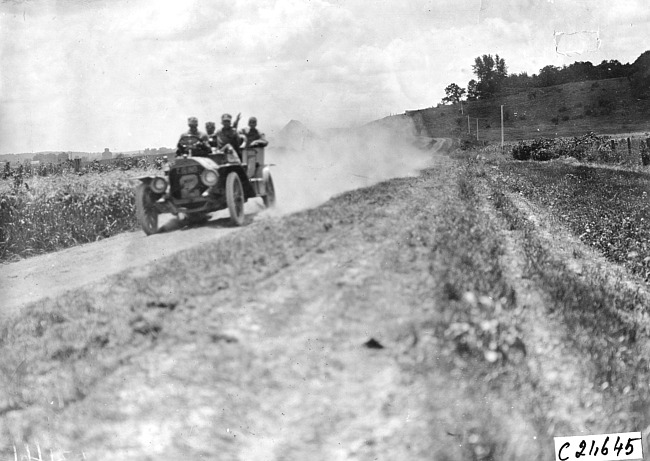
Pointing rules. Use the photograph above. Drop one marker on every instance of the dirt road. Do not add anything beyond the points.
(400, 321)
(50, 275)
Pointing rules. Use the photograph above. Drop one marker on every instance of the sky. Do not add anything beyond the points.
(84, 75)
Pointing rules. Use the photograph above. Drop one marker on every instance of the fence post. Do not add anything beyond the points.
(612, 144)
(629, 147)
(645, 152)
(501, 126)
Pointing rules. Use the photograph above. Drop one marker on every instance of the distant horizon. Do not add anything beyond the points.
(131, 151)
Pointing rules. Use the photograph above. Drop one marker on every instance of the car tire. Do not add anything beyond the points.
(235, 198)
(145, 209)
(269, 198)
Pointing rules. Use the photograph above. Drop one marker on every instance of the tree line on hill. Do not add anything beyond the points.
(492, 77)
(62, 157)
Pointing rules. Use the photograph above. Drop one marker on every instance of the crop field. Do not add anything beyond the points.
(21, 171)
(606, 208)
(55, 212)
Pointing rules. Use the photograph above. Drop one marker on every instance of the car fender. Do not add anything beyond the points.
(143, 179)
(238, 168)
(266, 172)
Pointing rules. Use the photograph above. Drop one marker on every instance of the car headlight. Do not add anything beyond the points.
(158, 185)
(209, 177)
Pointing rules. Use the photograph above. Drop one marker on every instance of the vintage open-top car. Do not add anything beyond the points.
(198, 185)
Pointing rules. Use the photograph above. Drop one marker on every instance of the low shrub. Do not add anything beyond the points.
(591, 148)
(540, 149)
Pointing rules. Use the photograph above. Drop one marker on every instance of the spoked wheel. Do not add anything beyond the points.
(145, 209)
(235, 198)
(269, 198)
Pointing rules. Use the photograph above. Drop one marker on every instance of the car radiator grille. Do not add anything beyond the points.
(187, 186)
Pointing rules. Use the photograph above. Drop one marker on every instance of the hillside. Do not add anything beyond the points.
(604, 106)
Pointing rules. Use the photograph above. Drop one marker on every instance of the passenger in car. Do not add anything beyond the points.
(254, 138)
(227, 135)
(210, 128)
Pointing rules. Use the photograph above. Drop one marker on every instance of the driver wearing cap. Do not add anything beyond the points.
(193, 139)
(227, 135)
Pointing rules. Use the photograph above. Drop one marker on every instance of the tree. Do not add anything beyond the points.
(521, 80)
(490, 73)
(640, 76)
(472, 94)
(549, 76)
(454, 94)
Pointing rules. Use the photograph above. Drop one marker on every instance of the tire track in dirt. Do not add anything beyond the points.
(559, 372)
(572, 394)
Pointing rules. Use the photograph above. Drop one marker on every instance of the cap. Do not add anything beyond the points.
(209, 124)
(226, 117)
(192, 121)
(252, 119)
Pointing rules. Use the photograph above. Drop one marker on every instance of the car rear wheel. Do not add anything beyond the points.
(145, 209)
(269, 198)
(235, 198)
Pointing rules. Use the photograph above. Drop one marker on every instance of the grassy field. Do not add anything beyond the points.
(494, 328)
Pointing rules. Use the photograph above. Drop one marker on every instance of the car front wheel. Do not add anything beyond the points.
(145, 209)
(235, 198)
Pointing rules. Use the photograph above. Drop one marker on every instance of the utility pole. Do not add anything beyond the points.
(469, 131)
(477, 129)
(501, 126)
(461, 107)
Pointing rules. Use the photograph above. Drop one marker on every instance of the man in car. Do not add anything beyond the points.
(210, 129)
(193, 139)
(227, 135)
(254, 138)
